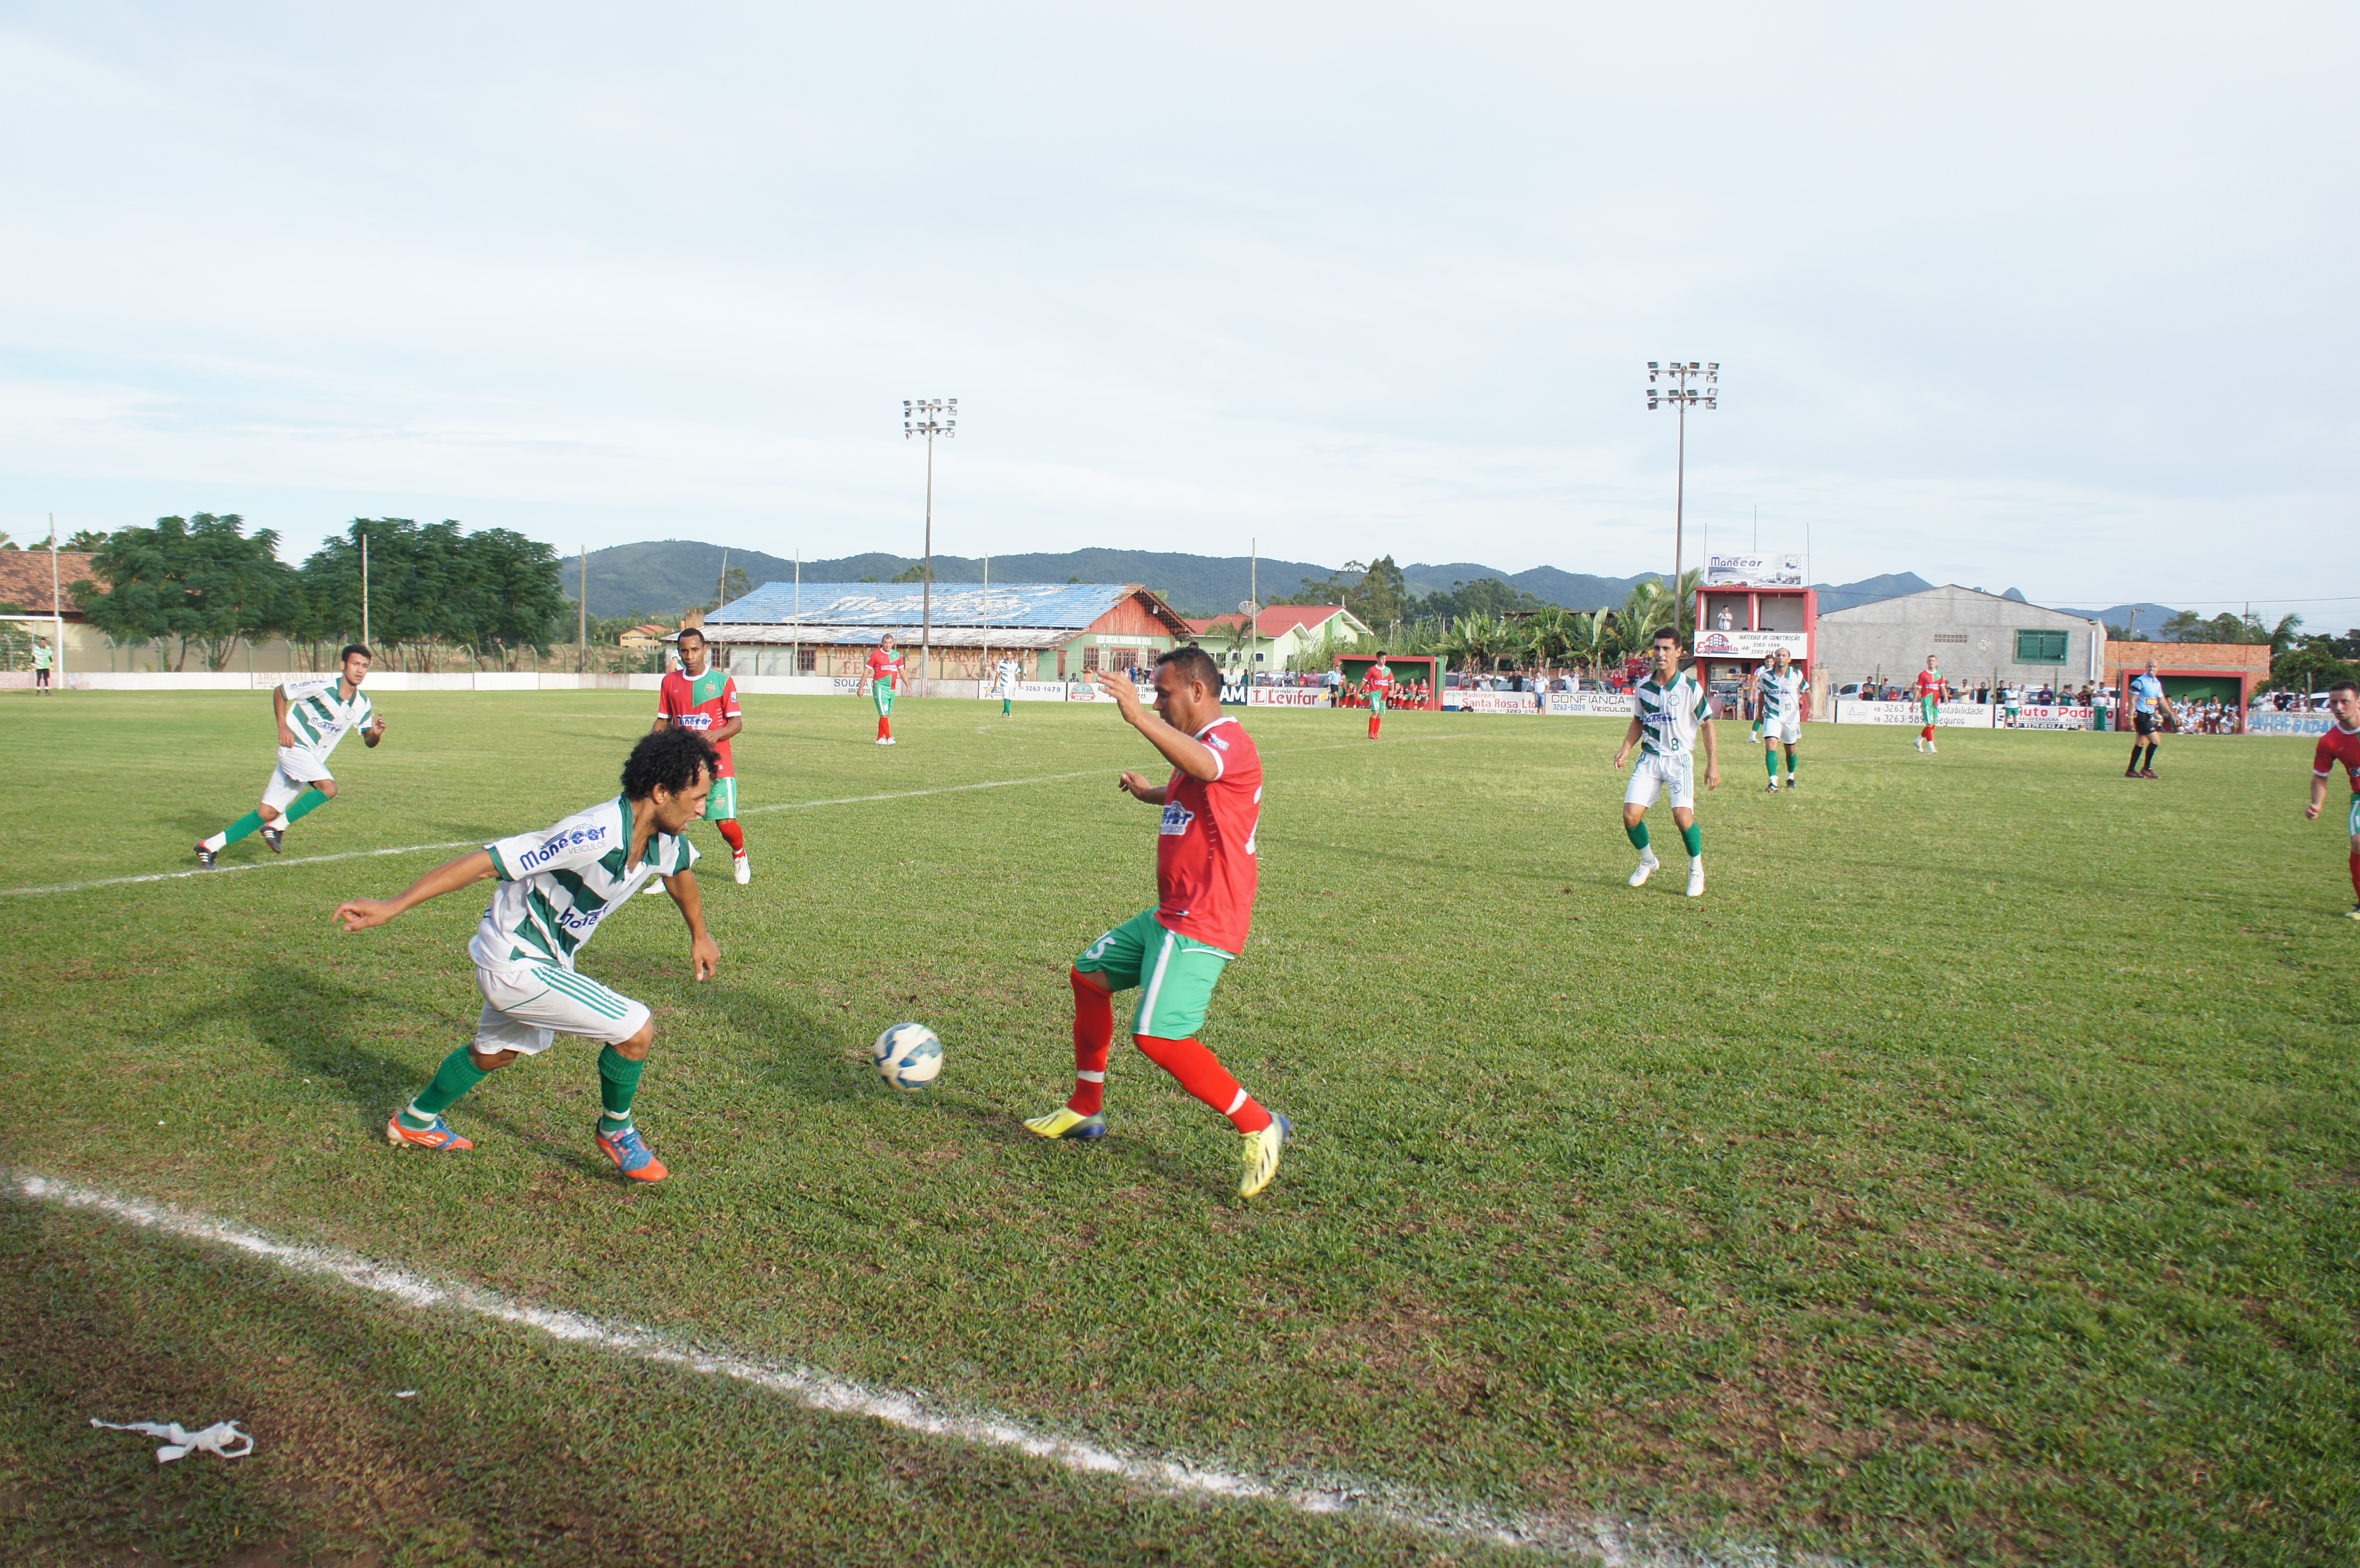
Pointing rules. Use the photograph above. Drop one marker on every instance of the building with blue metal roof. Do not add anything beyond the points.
(1056, 630)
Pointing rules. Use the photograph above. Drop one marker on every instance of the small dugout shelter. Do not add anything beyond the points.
(1408, 669)
(1748, 608)
(1057, 630)
(2192, 672)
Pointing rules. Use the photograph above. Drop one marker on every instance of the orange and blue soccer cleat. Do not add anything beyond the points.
(436, 1136)
(631, 1154)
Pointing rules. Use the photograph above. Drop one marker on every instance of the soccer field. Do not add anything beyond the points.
(1973, 1174)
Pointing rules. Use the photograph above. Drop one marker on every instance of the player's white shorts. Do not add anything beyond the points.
(1652, 775)
(298, 768)
(524, 1006)
(1783, 732)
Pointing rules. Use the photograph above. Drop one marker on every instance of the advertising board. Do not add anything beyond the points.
(1714, 643)
(1955, 716)
(1753, 572)
(2287, 724)
(1287, 697)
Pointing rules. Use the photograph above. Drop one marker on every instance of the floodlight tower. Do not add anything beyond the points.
(928, 417)
(1689, 382)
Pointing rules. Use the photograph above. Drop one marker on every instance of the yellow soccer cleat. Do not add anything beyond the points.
(1262, 1154)
(1067, 1122)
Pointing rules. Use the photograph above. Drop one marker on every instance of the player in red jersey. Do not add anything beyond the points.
(697, 697)
(2342, 745)
(1931, 689)
(885, 678)
(1205, 877)
(1379, 685)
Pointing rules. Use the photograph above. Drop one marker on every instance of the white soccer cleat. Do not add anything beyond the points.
(1918, 741)
(1695, 877)
(742, 868)
(1647, 863)
(1932, 750)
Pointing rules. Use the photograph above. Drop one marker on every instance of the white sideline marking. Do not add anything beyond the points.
(753, 811)
(1614, 1542)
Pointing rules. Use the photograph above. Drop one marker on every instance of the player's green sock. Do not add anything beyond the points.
(619, 1079)
(253, 820)
(1637, 833)
(457, 1074)
(1003, 707)
(1794, 766)
(1771, 757)
(1693, 836)
(310, 801)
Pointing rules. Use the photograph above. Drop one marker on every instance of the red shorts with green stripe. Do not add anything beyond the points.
(526, 1005)
(1176, 974)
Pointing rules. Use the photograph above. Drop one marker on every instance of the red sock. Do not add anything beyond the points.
(1927, 734)
(1201, 1074)
(1374, 721)
(2356, 873)
(732, 834)
(1093, 1038)
(884, 727)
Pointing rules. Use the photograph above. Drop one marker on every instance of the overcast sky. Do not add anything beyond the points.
(2051, 297)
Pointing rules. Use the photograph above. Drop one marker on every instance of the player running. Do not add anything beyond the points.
(1670, 712)
(555, 888)
(1931, 689)
(1205, 877)
(1379, 685)
(1004, 677)
(1779, 714)
(2340, 743)
(698, 697)
(313, 715)
(885, 678)
(2147, 693)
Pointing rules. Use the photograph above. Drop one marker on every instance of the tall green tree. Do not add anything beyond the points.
(490, 592)
(202, 581)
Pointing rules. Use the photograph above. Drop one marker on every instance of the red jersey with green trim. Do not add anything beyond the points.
(886, 666)
(703, 703)
(1379, 683)
(1930, 684)
(2338, 745)
(1205, 868)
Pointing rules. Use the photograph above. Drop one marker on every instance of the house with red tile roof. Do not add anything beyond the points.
(1288, 631)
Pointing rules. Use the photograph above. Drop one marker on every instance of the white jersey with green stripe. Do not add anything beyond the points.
(318, 716)
(1781, 695)
(556, 886)
(1670, 713)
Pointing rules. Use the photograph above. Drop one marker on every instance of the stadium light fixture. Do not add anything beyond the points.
(928, 417)
(1682, 385)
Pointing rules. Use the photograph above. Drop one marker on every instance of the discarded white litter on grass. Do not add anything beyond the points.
(405, 1393)
(180, 1442)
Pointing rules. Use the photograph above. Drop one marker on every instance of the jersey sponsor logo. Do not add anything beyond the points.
(558, 845)
(1176, 818)
(693, 721)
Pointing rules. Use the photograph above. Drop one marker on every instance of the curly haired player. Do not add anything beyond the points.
(555, 887)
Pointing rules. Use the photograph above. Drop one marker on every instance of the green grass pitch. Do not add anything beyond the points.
(1971, 1175)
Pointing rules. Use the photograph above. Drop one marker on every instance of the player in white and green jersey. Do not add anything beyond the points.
(555, 887)
(1778, 710)
(1671, 713)
(313, 715)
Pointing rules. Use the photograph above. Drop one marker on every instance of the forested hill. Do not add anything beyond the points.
(665, 577)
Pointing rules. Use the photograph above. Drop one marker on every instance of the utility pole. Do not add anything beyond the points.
(582, 656)
(57, 610)
(365, 630)
(928, 417)
(1252, 611)
(1690, 382)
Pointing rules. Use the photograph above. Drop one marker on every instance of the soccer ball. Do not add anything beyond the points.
(908, 1056)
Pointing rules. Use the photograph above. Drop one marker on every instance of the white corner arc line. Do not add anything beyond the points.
(275, 863)
(1613, 1542)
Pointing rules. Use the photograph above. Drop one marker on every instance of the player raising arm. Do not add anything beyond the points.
(884, 678)
(1205, 879)
(2340, 743)
(313, 715)
(554, 888)
(697, 697)
(1670, 713)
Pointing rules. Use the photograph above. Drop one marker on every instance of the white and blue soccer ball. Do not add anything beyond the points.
(908, 1056)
